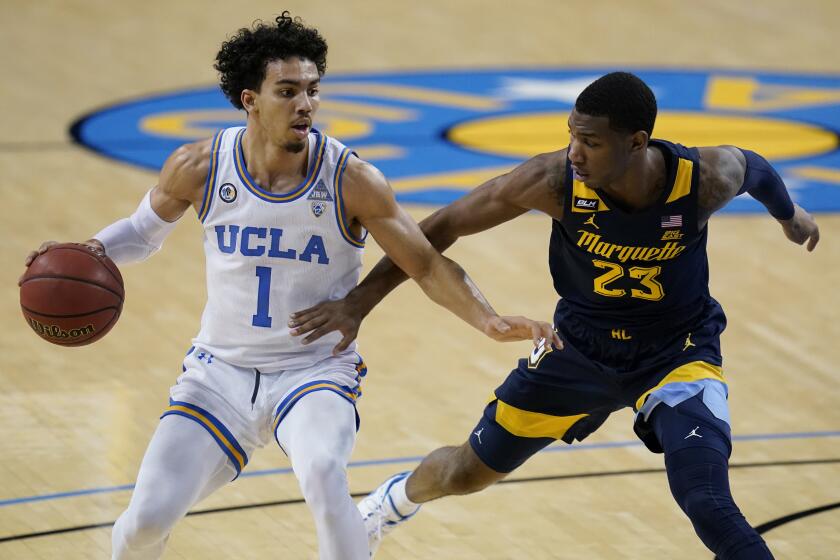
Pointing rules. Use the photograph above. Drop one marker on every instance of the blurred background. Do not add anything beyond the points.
(441, 95)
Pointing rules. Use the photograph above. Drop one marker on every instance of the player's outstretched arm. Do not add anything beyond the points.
(370, 201)
(529, 186)
(137, 237)
(727, 171)
(181, 185)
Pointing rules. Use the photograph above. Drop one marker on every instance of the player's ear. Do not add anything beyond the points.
(639, 141)
(248, 98)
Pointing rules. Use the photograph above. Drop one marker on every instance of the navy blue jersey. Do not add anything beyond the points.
(617, 269)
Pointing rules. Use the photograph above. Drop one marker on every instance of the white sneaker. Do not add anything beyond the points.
(380, 514)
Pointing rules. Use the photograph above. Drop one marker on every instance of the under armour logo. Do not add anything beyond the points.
(688, 343)
(478, 435)
(693, 433)
(205, 355)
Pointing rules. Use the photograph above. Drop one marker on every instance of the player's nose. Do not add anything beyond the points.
(575, 155)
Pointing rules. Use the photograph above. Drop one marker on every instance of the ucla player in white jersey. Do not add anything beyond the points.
(286, 211)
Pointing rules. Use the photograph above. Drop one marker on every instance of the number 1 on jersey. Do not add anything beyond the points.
(262, 318)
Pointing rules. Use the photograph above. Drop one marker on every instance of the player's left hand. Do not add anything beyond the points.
(326, 317)
(508, 329)
(801, 228)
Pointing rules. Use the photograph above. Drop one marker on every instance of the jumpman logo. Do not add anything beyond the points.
(693, 433)
(478, 435)
(688, 342)
(591, 222)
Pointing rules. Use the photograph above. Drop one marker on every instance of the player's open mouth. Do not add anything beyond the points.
(579, 175)
(301, 129)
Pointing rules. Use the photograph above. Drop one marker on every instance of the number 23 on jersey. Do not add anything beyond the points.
(648, 287)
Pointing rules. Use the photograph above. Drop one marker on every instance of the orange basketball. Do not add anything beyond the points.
(71, 296)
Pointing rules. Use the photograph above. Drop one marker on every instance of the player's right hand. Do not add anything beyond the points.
(94, 244)
(40, 251)
(801, 228)
(508, 329)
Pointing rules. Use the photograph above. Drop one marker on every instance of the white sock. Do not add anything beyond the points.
(405, 507)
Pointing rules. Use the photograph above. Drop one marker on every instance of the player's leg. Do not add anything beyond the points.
(526, 417)
(449, 471)
(697, 445)
(318, 435)
(182, 465)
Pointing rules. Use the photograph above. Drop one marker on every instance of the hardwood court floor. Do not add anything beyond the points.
(78, 419)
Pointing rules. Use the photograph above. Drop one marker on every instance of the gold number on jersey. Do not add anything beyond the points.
(645, 275)
(614, 272)
(647, 278)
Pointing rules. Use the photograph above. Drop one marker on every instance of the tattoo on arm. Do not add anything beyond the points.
(721, 175)
(555, 178)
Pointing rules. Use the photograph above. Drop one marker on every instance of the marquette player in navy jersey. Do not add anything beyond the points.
(285, 211)
(628, 258)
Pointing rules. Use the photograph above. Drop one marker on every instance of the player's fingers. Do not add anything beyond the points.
(814, 239)
(45, 246)
(318, 333)
(345, 343)
(30, 257)
(536, 333)
(555, 340)
(307, 326)
(548, 333)
(304, 314)
(500, 325)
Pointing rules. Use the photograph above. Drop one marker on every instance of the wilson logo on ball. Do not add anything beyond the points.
(54, 331)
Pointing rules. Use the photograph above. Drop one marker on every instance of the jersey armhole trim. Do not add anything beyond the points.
(343, 226)
(210, 184)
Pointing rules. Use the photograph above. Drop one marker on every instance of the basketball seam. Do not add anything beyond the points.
(95, 256)
(82, 280)
(105, 328)
(28, 310)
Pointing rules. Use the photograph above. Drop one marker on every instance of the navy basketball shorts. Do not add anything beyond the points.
(566, 394)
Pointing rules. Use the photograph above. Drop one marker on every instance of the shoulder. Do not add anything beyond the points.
(185, 171)
(365, 190)
(360, 174)
(721, 175)
(722, 163)
(538, 184)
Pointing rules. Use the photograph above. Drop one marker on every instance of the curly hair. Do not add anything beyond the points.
(623, 98)
(242, 60)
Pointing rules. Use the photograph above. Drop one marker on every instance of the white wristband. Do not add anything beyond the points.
(136, 238)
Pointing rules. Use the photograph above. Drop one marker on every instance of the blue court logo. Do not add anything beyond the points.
(437, 135)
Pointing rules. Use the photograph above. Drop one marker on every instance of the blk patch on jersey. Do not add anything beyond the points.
(227, 192)
(318, 208)
(587, 203)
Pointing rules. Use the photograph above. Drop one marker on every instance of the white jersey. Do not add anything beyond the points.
(270, 254)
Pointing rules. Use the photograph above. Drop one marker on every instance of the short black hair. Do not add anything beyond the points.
(623, 98)
(242, 60)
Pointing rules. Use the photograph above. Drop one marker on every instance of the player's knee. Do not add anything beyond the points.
(699, 482)
(323, 481)
(144, 527)
(705, 506)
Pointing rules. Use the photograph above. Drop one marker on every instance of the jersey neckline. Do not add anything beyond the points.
(297, 192)
(671, 160)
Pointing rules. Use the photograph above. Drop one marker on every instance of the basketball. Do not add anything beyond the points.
(71, 295)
